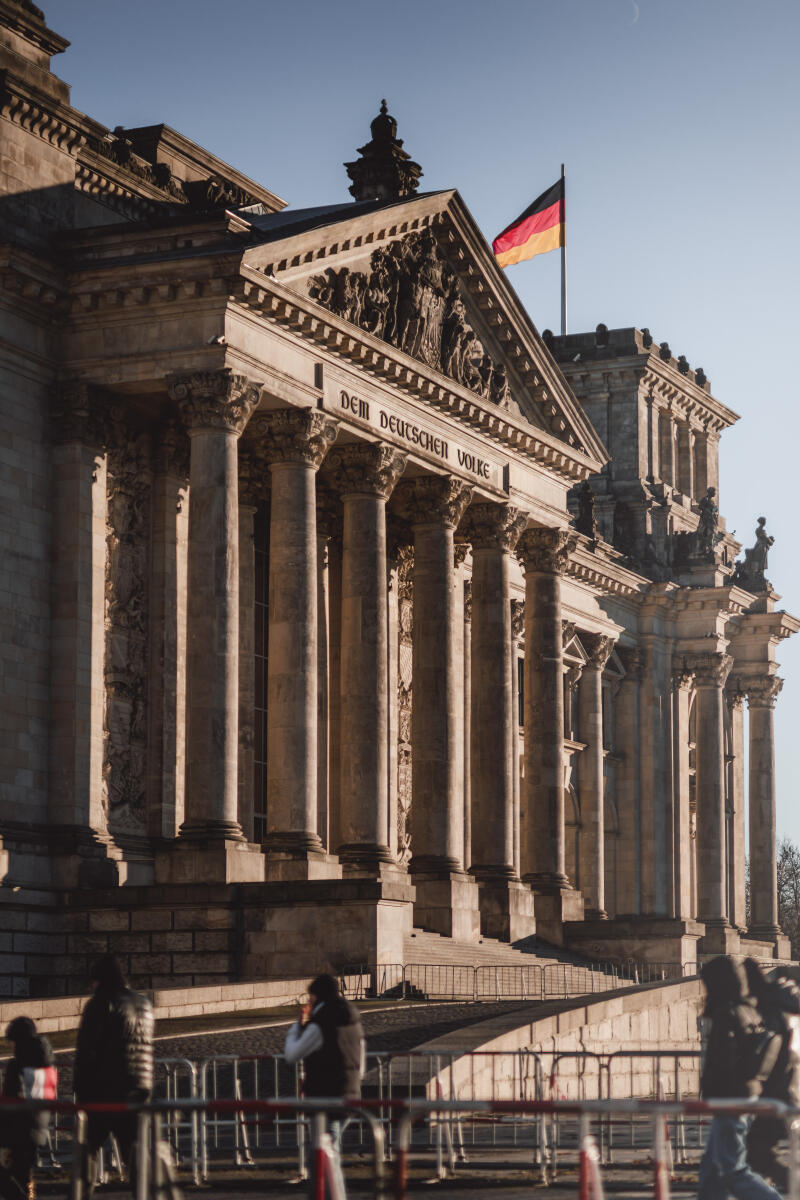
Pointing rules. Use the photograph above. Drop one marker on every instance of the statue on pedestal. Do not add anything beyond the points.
(750, 574)
(585, 521)
(707, 530)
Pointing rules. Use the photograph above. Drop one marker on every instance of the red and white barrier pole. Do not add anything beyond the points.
(660, 1164)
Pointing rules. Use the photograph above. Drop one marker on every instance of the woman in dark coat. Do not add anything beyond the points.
(30, 1075)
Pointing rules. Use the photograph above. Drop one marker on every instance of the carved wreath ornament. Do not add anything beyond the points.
(410, 297)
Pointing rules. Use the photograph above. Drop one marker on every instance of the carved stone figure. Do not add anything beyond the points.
(585, 522)
(707, 530)
(750, 574)
(410, 298)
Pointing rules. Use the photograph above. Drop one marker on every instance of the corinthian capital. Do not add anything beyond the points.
(762, 693)
(367, 468)
(710, 670)
(433, 500)
(293, 435)
(598, 648)
(546, 550)
(214, 399)
(493, 526)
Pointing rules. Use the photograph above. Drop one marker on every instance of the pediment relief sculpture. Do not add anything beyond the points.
(410, 297)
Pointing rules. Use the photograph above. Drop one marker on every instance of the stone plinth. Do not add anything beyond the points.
(645, 939)
(212, 861)
(554, 910)
(507, 909)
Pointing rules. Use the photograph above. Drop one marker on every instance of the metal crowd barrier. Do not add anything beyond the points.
(525, 981)
(155, 1177)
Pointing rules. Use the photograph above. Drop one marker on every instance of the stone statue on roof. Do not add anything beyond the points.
(751, 573)
(707, 529)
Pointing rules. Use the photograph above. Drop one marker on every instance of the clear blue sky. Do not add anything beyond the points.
(678, 124)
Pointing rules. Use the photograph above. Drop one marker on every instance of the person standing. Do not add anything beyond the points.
(739, 1056)
(30, 1075)
(329, 1039)
(113, 1060)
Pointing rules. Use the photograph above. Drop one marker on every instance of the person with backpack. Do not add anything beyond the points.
(778, 1003)
(329, 1039)
(30, 1075)
(113, 1060)
(740, 1054)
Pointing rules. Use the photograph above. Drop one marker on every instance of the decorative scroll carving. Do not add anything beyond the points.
(79, 414)
(568, 630)
(215, 399)
(126, 629)
(434, 500)
(682, 674)
(494, 526)
(735, 696)
(763, 693)
(710, 670)
(368, 467)
(546, 550)
(598, 649)
(572, 676)
(410, 298)
(517, 619)
(295, 435)
(405, 603)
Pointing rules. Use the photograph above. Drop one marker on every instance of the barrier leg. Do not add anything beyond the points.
(142, 1156)
(318, 1157)
(660, 1166)
(77, 1189)
(584, 1176)
(402, 1145)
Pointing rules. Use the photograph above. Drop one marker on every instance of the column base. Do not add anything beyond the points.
(82, 858)
(555, 906)
(506, 909)
(664, 940)
(212, 861)
(368, 861)
(719, 938)
(447, 903)
(774, 942)
(282, 865)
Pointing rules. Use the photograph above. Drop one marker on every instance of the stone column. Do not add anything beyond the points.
(544, 554)
(216, 407)
(761, 697)
(250, 489)
(628, 774)
(592, 842)
(667, 446)
(328, 524)
(365, 474)
(734, 699)
(506, 905)
(711, 671)
(682, 683)
(294, 443)
(166, 749)
(517, 630)
(467, 710)
(447, 899)
(76, 815)
(702, 463)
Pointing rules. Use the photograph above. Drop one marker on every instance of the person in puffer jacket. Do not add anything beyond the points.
(30, 1075)
(740, 1054)
(113, 1059)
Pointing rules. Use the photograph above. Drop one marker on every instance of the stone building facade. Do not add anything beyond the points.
(336, 599)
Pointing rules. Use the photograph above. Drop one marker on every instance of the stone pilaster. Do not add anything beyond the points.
(506, 905)
(761, 697)
(592, 841)
(517, 632)
(447, 899)
(544, 554)
(710, 672)
(328, 525)
(293, 442)
(82, 855)
(685, 471)
(734, 698)
(251, 488)
(215, 407)
(366, 475)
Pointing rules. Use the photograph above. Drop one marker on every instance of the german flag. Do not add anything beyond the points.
(541, 227)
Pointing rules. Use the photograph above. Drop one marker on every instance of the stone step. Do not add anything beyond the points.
(423, 946)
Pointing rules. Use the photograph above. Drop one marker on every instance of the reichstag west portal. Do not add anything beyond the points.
(338, 602)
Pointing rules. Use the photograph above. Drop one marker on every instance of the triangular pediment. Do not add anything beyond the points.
(417, 275)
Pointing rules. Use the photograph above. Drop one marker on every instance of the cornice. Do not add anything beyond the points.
(609, 578)
(307, 319)
(26, 278)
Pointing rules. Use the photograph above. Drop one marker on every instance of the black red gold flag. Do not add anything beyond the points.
(540, 228)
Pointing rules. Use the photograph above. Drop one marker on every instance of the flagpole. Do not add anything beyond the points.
(564, 261)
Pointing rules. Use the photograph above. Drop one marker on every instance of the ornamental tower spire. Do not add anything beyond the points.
(385, 170)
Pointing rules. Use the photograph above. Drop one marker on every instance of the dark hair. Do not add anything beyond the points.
(324, 987)
(21, 1029)
(757, 982)
(107, 973)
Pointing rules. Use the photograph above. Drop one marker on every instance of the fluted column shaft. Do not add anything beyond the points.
(711, 671)
(544, 554)
(592, 842)
(216, 407)
(761, 697)
(434, 507)
(493, 530)
(366, 475)
(294, 443)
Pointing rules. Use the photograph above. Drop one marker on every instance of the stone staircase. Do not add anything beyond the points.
(424, 946)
